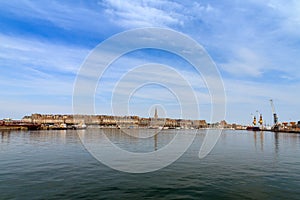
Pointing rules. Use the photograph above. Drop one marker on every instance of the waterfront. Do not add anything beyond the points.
(243, 165)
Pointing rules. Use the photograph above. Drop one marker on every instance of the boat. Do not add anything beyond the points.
(255, 127)
(156, 127)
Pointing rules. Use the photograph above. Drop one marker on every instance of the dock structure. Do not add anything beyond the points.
(287, 127)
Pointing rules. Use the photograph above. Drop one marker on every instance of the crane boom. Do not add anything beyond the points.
(274, 112)
(272, 105)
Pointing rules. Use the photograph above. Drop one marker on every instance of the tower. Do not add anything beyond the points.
(155, 114)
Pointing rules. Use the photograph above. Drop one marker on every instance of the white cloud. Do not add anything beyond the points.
(35, 54)
(33, 71)
(290, 14)
(245, 62)
(144, 13)
(61, 14)
(133, 14)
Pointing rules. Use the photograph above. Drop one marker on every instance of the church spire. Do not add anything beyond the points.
(155, 114)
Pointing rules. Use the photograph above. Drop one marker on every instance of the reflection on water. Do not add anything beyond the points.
(276, 142)
(243, 165)
(33, 135)
(133, 140)
(5, 136)
(261, 139)
(278, 139)
(146, 137)
(155, 142)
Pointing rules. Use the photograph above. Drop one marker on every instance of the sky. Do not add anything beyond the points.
(254, 44)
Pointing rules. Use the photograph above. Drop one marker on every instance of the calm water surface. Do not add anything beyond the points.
(243, 165)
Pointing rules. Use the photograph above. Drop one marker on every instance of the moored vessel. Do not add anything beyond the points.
(255, 127)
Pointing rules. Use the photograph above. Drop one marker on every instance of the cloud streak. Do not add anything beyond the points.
(144, 13)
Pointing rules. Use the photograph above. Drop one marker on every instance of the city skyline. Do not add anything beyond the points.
(254, 44)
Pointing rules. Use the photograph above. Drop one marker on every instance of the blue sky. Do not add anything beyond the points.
(255, 45)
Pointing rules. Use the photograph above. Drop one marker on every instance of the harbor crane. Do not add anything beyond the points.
(274, 112)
